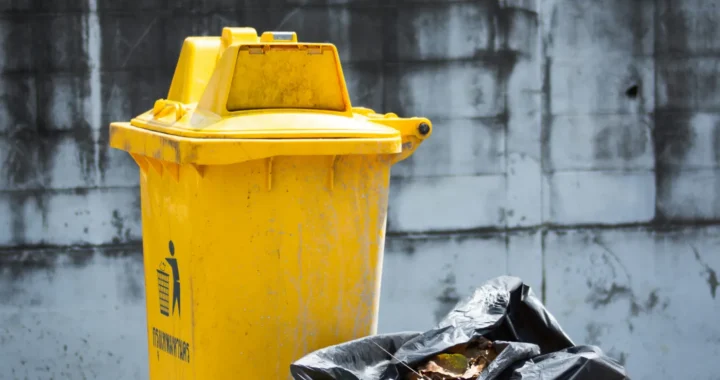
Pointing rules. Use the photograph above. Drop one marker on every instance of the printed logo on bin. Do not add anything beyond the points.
(168, 275)
(165, 286)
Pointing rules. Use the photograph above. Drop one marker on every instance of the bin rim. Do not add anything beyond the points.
(265, 124)
(165, 147)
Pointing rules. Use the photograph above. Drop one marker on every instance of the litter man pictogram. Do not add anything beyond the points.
(164, 284)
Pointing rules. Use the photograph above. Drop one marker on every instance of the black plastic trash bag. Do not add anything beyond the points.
(503, 310)
(576, 363)
(364, 358)
(510, 353)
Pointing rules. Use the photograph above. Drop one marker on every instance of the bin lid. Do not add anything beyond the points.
(271, 88)
(266, 87)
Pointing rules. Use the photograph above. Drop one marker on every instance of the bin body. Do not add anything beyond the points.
(265, 276)
(263, 229)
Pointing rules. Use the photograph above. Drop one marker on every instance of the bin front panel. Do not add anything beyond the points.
(272, 259)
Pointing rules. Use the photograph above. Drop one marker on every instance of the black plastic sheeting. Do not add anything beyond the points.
(530, 342)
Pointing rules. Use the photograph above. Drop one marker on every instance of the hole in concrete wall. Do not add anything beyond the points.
(632, 91)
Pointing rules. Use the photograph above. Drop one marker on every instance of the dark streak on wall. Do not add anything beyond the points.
(547, 116)
(400, 41)
(53, 56)
(17, 262)
(672, 134)
(631, 141)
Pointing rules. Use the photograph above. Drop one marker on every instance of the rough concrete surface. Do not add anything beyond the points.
(575, 145)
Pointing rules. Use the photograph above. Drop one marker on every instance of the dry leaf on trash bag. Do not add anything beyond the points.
(461, 362)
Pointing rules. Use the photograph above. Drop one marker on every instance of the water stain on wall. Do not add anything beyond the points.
(448, 297)
(629, 140)
(673, 134)
(15, 263)
(628, 143)
(19, 165)
(612, 282)
(546, 90)
(617, 29)
(711, 275)
(672, 140)
(131, 277)
(38, 129)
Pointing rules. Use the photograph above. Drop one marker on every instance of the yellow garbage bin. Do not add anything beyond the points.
(264, 201)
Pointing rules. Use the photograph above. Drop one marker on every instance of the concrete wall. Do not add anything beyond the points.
(575, 146)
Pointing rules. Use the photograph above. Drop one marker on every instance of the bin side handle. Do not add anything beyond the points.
(413, 131)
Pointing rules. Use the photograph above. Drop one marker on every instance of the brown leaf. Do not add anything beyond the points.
(451, 365)
(461, 362)
(473, 371)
